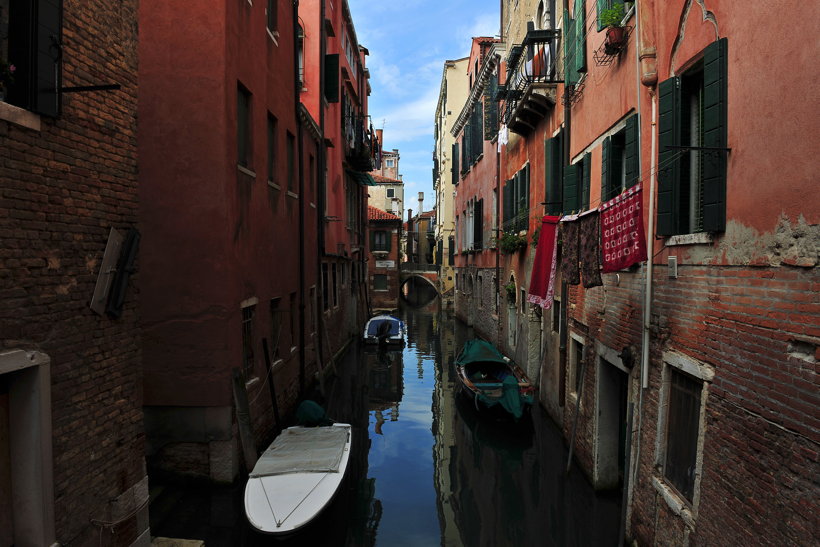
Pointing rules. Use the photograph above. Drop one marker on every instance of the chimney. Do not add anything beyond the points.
(379, 133)
(421, 200)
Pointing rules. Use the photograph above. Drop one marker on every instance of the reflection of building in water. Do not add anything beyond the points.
(385, 382)
(443, 421)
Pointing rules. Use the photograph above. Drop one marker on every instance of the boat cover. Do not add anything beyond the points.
(303, 450)
(510, 398)
(374, 323)
(477, 351)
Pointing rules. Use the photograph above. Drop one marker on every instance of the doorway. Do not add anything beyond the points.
(613, 399)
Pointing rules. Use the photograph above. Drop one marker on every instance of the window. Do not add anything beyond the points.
(291, 162)
(391, 192)
(516, 204)
(576, 362)
(380, 282)
(275, 328)
(300, 76)
(556, 315)
(454, 166)
(273, 16)
(380, 240)
(607, 4)
(523, 301)
(478, 224)
(243, 126)
(682, 427)
(554, 173)
(294, 321)
(335, 286)
(30, 40)
(325, 288)
(272, 125)
(576, 186)
(575, 44)
(390, 163)
(247, 340)
(693, 151)
(451, 251)
(331, 88)
(619, 165)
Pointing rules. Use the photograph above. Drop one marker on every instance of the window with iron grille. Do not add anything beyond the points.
(273, 15)
(380, 282)
(272, 141)
(243, 126)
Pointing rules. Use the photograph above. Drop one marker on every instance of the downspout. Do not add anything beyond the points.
(321, 168)
(498, 198)
(562, 338)
(302, 200)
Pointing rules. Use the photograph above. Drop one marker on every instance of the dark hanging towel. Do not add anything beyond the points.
(590, 248)
(569, 250)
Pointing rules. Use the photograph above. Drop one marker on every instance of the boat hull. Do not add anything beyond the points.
(282, 504)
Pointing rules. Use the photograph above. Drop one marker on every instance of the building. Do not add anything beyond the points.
(387, 195)
(72, 444)
(677, 361)
(451, 98)
(383, 262)
(388, 164)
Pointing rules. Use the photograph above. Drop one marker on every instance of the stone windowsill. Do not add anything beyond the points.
(677, 505)
(19, 116)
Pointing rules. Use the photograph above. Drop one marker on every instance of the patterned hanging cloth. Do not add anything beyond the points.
(589, 248)
(542, 281)
(622, 237)
(570, 249)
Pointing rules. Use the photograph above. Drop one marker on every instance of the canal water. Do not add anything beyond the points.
(426, 468)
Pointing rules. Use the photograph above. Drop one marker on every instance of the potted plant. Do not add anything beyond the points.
(611, 18)
(511, 242)
(510, 288)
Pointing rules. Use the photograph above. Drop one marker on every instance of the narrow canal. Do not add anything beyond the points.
(426, 469)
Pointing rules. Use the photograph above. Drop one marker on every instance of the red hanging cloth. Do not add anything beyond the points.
(542, 281)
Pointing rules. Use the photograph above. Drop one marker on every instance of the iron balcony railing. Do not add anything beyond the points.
(518, 223)
(530, 64)
(358, 142)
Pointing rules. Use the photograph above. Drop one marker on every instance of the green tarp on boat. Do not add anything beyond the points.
(477, 351)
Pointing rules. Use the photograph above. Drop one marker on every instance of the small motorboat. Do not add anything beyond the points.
(297, 477)
(492, 380)
(385, 329)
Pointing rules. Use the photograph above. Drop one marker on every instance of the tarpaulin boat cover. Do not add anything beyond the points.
(476, 351)
(374, 324)
(303, 450)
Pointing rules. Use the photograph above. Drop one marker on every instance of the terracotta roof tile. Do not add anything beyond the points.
(377, 214)
(386, 180)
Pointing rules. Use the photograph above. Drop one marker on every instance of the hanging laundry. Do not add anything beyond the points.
(503, 136)
(570, 250)
(622, 237)
(542, 281)
(589, 248)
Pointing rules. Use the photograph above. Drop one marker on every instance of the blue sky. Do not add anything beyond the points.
(408, 43)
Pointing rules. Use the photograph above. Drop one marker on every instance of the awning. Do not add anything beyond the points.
(362, 178)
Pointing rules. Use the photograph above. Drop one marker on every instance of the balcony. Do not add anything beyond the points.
(532, 80)
(358, 145)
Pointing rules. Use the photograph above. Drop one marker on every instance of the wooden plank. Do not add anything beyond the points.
(243, 419)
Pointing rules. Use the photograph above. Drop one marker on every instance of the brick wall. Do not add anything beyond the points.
(63, 187)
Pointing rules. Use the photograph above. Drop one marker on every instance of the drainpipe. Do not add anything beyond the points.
(302, 200)
(498, 198)
(321, 168)
(562, 338)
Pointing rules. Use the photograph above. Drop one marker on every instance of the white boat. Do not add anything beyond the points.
(297, 477)
(391, 330)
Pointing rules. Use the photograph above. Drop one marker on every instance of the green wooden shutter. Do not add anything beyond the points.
(490, 108)
(669, 124)
(570, 201)
(332, 77)
(606, 169)
(586, 165)
(49, 74)
(454, 167)
(714, 135)
(525, 199)
(508, 202)
(388, 240)
(631, 154)
(580, 37)
(555, 175)
(601, 6)
(570, 74)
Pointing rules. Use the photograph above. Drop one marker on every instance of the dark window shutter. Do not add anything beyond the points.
(631, 155)
(508, 201)
(570, 74)
(714, 135)
(490, 108)
(465, 149)
(454, 169)
(601, 5)
(607, 171)
(332, 78)
(478, 224)
(580, 37)
(570, 201)
(554, 175)
(668, 158)
(49, 53)
(388, 236)
(586, 165)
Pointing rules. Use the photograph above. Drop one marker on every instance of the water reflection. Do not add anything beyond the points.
(426, 468)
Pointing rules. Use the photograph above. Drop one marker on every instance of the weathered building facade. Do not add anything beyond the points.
(451, 97)
(72, 465)
(686, 379)
(383, 260)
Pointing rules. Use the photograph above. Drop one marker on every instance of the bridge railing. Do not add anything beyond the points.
(414, 267)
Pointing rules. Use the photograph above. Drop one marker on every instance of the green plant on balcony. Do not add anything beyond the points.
(510, 289)
(535, 235)
(612, 18)
(511, 242)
